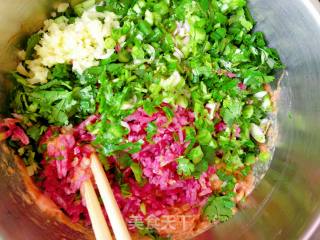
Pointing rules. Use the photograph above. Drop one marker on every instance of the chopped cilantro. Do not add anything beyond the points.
(219, 208)
(196, 154)
(31, 43)
(125, 190)
(200, 168)
(185, 167)
(231, 110)
(124, 160)
(36, 131)
(204, 137)
(137, 171)
(169, 113)
(151, 130)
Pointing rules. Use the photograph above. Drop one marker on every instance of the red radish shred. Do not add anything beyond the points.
(230, 75)
(9, 128)
(242, 86)
(117, 48)
(66, 166)
(220, 127)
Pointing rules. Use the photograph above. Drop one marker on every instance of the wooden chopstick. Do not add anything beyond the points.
(118, 224)
(99, 224)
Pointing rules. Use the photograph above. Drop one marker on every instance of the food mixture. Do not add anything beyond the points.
(173, 96)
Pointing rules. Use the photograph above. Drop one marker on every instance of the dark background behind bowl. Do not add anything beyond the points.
(285, 205)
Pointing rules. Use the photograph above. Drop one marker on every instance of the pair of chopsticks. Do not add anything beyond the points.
(99, 224)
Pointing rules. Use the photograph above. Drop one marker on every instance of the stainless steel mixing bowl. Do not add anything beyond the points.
(285, 205)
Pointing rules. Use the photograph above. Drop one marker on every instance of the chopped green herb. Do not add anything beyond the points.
(185, 167)
(36, 131)
(219, 208)
(169, 113)
(125, 190)
(204, 137)
(196, 154)
(151, 130)
(231, 110)
(137, 171)
(31, 43)
(124, 160)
